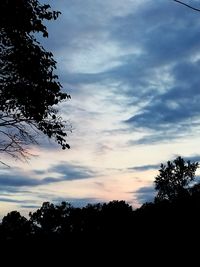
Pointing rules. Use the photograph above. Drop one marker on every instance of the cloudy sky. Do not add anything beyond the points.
(132, 69)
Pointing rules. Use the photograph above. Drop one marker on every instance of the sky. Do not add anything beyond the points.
(132, 70)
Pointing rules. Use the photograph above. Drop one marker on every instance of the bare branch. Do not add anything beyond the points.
(3, 163)
(16, 138)
(196, 9)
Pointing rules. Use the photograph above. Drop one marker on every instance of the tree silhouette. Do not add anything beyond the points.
(45, 219)
(51, 221)
(115, 225)
(14, 226)
(174, 179)
(29, 88)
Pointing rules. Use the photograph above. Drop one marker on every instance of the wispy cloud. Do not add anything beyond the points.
(66, 172)
(157, 75)
(164, 72)
(17, 180)
(11, 200)
(145, 167)
(71, 172)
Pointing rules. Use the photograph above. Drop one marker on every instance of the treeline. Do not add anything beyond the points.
(113, 219)
(174, 213)
(64, 221)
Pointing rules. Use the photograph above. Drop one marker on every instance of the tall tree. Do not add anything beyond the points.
(174, 179)
(29, 88)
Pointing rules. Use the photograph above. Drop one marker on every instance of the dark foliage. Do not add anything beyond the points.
(14, 226)
(109, 232)
(29, 88)
(174, 179)
(109, 221)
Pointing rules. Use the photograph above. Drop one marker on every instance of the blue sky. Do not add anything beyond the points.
(132, 70)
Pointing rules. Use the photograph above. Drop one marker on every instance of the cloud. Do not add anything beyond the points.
(166, 136)
(21, 203)
(10, 200)
(7, 190)
(16, 186)
(79, 38)
(20, 180)
(71, 172)
(9, 182)
(39, 172)
(163, 77)
(145, 167)
(176, 106)
(17, 180)
(145, 194)
(158, 75)
(102, 149)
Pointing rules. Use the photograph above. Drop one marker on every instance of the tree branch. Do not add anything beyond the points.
(196, 9)
(3, 163)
